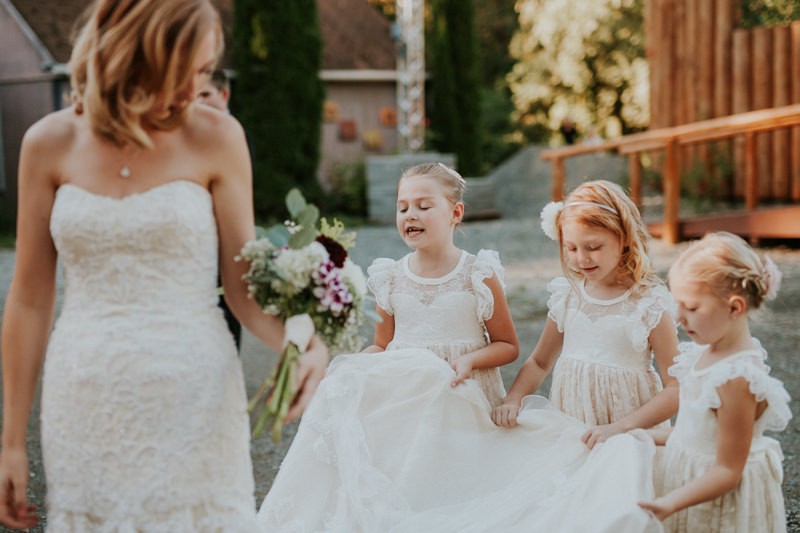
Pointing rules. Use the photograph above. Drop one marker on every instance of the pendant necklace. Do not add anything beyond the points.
(125, 170)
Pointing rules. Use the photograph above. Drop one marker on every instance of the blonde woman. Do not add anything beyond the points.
(142, 196)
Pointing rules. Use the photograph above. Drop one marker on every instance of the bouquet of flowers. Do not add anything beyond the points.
(300, 272)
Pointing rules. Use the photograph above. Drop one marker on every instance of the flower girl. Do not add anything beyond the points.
(402, 441)
(719, 473)
(607, 318)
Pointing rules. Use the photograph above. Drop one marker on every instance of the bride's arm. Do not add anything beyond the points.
(231, 189)
(28, 313)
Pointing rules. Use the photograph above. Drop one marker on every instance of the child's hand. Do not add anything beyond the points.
(463, 370)
(505, 415)
(659, 508)
(599, 434)
(660, 435)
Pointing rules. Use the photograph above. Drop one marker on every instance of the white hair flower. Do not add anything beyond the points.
(548, 216)
(773, 278)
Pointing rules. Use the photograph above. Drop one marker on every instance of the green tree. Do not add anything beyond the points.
(496, 23)
(582, 59)
(454, 96)
(277, 51)
(769, 12)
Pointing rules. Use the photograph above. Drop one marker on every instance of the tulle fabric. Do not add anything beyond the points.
(144, 421)
(388, 445)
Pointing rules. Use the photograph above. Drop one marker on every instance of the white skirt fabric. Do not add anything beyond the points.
(388, 445)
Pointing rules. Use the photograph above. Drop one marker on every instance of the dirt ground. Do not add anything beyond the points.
(530, 261)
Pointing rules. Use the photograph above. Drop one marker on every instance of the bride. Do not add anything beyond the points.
(141, 196)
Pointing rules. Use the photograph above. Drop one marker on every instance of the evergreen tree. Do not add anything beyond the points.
(454, 96)
(277, 50)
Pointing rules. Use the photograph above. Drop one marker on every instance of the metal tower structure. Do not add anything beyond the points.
(410, 35)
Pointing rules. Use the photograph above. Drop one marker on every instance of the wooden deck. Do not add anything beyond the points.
(763, 223)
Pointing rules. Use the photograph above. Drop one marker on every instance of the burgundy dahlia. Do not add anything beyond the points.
(336, 251)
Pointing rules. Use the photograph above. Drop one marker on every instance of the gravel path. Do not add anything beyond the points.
(531, 261)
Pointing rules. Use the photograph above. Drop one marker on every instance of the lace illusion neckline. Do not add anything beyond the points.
(600, 301)
(434, 281)
(133, 195)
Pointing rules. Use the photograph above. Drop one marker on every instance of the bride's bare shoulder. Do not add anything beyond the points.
(54, 129)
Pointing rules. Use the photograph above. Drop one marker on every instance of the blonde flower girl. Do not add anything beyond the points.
(719, 472)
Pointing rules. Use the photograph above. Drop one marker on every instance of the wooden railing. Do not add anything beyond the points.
(670, 140)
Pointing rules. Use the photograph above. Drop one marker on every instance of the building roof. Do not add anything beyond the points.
(355, 35)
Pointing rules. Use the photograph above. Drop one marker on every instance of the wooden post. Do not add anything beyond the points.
(762, 99)
(723, 76)
(672, 194)
(751, 192)
(723, 62)
(635, 176)
(795, 134)
(557, 191)
(654, 51)
(781, 91)
(741, 101)
(689, 70)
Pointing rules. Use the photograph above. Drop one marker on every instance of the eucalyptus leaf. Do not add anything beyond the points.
(278, 235)
(302, 238)
(308, 217)
(261, 232)
(295, 203)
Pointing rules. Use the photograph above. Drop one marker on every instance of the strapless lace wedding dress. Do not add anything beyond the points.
(144, 421)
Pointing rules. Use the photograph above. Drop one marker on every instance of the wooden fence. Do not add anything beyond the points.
(702, 67)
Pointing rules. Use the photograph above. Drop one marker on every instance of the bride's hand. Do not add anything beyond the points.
(310, 371)
(15, 511)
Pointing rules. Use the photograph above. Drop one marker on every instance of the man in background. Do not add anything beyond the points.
(216, 93)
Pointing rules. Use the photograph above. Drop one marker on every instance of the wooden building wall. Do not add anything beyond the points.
(703, 66)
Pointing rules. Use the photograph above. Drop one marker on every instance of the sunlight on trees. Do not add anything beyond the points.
(583, 60)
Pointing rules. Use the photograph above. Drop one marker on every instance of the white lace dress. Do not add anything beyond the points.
(144, 421)
(457, 303)
(605, 369)
(388, 445)
(756, 504)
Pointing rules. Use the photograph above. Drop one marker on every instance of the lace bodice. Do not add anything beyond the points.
(610, 332)
(445, 315)
(144, 422)
(696, 425)
(431, 312)
(114, 255)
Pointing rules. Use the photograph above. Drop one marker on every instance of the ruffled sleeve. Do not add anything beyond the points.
(559, 289)
(487, 264)
(379, 282)
(688, 352)
(649, 310)
(763, 386)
